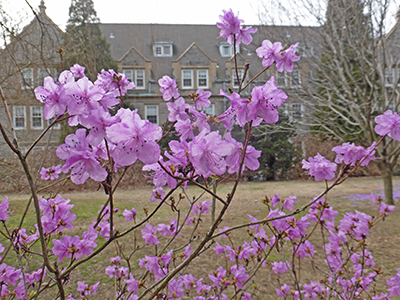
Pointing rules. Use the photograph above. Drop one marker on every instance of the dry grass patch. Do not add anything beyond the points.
(248, 200)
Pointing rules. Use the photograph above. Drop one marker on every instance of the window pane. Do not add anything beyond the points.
(19, 116)
(234, 77)
(158, 50)
(129, 74)
(152, 113)
(36, 117)
(140, 78)
(187, 77)
(202, 78)
(167, 50)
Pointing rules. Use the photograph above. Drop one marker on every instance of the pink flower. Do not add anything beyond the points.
(288, 57)
(239, 274)
(188, 251)
(269, 52)
(206, 153)
(233, 159)
(289, 202)
(134, 139)
(149, 234)
(132, 283)
(129, 214)
(51, 95)
(202, 208)
(50, 173)
(230, 24)
(177, 110)
(201, 99)
(394, 284)
(82, 159)
(66, 247)
(320, 167)
(78, 71)
(388, 124)
(157, 194)
(280, 266)
(265, 100)
(4, 209)
(168, 88)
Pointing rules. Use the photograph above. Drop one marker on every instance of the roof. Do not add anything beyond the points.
(122, 37)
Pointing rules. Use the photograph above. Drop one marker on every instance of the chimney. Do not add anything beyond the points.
(42, 8)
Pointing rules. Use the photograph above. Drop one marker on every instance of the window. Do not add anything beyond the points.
(129, 75)
(151, 113)
(36, 117)
(281, 79)
(234, 77)
(297, 111)
(202, 79)
(139, 79)
(187, 79)
(19, 117)
(42, 74)
(27, 78)
(296, 78)
(210, 110)
(56, 126)
(163, 49)
(389, 76)
(226, 50)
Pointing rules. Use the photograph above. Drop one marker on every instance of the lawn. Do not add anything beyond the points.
(351, 195)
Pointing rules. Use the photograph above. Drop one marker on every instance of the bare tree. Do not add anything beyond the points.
(354, 74)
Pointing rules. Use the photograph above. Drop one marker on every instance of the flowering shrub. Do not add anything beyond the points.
(112, 142)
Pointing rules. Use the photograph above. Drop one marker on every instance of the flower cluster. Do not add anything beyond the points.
(232, 30)
(108, 142)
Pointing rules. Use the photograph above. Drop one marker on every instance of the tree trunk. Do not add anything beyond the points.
(387, 175)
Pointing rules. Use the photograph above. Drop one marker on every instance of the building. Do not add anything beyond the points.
(191, 54)
(25, 61)
(196, 58)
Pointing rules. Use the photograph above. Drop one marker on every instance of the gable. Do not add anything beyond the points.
(194, 56)
(133, 58)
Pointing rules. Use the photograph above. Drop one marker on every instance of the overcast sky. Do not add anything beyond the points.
(144, 11)
(179, 11)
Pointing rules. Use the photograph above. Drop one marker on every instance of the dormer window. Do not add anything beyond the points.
(163, 49)
(226, 50)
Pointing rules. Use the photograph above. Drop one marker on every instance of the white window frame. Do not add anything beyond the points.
(129, 74)
(187, 71)
(27, 81)
(159, 50)
(389, 74)
(298, 110)
(210, 110)
(235, 84)
(227, 50)
(292, 81)
(199, 71)
(42, 71)
(284, 77)
(15, 116)
(146, 113)
(143, 77)
(56, 126)
(39, 112)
